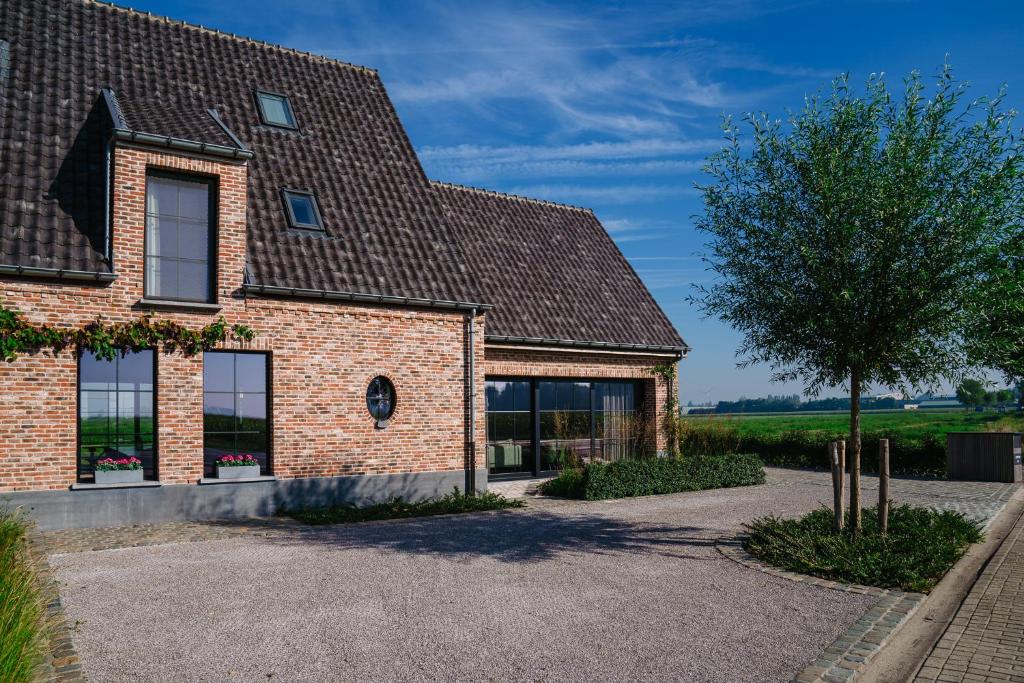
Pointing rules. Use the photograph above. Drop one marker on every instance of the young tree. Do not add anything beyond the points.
(845, 243)
(971, 393)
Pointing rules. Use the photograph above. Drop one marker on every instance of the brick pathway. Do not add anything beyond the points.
(985, 641)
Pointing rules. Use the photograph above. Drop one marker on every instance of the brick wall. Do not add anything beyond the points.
(504, 361)
(323, 356)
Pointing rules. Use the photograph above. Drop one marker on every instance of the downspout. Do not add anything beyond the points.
(108, 247)
(471, 475)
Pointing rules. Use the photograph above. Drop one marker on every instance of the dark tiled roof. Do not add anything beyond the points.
(552, 272)
(387, 233)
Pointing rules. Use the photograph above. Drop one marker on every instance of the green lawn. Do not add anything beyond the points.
(910, 423)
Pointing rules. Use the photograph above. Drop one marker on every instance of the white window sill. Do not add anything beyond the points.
(186, 305)
(148, 484)
(214, 480)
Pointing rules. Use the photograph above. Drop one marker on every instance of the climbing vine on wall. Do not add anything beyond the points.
(667, 371)
(18, 336)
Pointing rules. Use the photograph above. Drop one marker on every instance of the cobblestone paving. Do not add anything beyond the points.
(985, 641)
(517, 488)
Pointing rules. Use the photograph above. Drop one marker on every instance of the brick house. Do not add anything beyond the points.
(410, 335)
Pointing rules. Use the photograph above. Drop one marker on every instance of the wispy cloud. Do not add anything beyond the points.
(604, 194)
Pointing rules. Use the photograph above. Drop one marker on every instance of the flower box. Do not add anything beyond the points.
(238, 472)
(118, 476)
(237, 467)
(118, 470)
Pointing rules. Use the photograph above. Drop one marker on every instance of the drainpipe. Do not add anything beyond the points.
(471, 486)
(108, 248)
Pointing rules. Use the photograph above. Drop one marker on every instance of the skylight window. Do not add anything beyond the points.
(302, 210)
(275, 109)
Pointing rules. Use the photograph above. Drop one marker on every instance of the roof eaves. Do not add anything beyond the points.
(573, 343)
(183, 145)
(57, 273)
(383, 299)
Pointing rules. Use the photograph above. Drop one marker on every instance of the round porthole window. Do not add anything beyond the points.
(380, 400)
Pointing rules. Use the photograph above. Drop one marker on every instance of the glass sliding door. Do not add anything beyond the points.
(509, 426)
(619, 432)
(565, 424)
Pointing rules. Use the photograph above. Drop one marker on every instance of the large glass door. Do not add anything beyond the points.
(509, 426)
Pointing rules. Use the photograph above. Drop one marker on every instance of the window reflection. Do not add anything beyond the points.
(235, 402)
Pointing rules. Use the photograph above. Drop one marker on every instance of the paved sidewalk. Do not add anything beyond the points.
(985, 641)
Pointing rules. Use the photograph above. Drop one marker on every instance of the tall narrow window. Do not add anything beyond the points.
(179, 238)
(509, 426)
(115, 411)
(236, 399)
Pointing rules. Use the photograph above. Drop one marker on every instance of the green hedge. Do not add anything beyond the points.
(914, 455)
(651, 476)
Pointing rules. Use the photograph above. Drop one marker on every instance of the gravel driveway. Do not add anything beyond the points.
(564, 591)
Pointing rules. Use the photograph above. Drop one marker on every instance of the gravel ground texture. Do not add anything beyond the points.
(569, 591)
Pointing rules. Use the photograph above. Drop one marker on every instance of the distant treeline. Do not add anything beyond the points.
(790, 404)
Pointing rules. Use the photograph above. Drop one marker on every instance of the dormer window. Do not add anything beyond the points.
(303, 213)
(275, 109)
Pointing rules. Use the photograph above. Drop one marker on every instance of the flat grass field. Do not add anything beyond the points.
(908, 423)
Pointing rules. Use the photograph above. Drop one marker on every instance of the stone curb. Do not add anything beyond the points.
(849, 654)
(61, 663)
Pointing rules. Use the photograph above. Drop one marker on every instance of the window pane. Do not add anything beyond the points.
(194, 281)
(163, 236)
(251, 372)
(193, 241)
(161, 197)
(165, 277)
(499, 396)
(522, 426)
(502, 427)
(581, 396)
(219, 412)
(194, 200)
(135, 370)
(522, 395)
(563, 395)
(276, 110)
(302, 209)
(547, 395)
(218, 371)
(95, 370)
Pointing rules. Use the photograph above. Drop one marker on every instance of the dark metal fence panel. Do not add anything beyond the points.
(984, 456)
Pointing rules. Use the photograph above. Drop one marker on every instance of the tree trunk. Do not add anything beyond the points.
(855, 516)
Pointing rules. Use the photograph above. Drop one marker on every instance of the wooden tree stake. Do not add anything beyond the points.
(837, 484)
(883, 486)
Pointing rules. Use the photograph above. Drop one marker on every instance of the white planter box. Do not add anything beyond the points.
(118, 476)
(243, 472)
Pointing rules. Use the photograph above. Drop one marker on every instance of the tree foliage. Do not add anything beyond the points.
(847, 242)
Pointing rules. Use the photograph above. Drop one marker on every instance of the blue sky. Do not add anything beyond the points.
(614, 106)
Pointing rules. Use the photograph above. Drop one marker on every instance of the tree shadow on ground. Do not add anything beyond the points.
(512, 536)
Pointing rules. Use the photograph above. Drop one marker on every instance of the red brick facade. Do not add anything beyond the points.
(323, 355)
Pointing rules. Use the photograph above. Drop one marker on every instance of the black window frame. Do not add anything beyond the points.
(641, 387)
(267, 471)
(286, 193)
(78, 418)
(212, 230)
(265, 120)
(381, 421)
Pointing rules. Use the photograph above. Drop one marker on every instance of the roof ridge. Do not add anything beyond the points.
(506, 195)
(225, 34)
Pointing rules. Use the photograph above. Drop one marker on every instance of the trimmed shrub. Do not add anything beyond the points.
(22, 636)
(921, 546)
(455, 502)
(652, 476)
